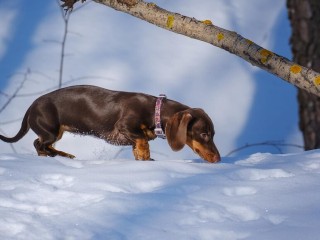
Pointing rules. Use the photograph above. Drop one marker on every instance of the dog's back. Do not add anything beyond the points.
(89, 108)
(121, 118)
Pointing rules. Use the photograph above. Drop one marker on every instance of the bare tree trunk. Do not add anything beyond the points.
(305, 40)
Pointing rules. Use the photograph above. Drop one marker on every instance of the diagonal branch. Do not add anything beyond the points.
(205, 31)
(276, 144)
(14, 95)
(16, 91)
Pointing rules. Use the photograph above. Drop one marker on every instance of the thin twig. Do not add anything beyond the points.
(11, 145)
(276, 144)
(48, 90)
(4, 94)
(65, 17)
(16, 91)
(14, 96)
(11, 121)
(63, 84)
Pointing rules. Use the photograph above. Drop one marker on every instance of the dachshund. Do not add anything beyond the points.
(120, 118)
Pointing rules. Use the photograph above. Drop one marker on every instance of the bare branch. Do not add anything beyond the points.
(63, 84)
(11, 121)
(16, 91)
(65, 16)
(11, 145)
(51, 41)
(276, 144)
(4, 94)
(302, 77)
(44, 75)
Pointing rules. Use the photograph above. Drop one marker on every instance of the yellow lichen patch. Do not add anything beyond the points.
(170, 21)
(317, 81)
(220, 36)
(295, 69)
(207, 22)
(265, 54)
(249, 41)
(152, 4)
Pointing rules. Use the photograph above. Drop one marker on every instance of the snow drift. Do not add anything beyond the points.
(263, 196)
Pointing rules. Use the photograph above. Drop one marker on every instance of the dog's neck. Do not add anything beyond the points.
(164, 110)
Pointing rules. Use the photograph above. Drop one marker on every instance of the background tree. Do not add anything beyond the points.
(305, 22)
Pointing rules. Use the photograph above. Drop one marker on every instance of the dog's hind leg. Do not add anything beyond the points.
(44, 150)
(39, 147)
(45, 141)
(60, 153)
(49, 131)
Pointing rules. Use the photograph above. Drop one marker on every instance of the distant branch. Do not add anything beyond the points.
(62, 84)
(65, 16)
(16, 91)
(11, 121)
(11, 145)
(4, 94)
(276, 144)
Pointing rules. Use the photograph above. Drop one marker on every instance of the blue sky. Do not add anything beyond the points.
(114, 50)
(28, 14)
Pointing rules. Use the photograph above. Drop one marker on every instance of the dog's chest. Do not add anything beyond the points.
(117, 138)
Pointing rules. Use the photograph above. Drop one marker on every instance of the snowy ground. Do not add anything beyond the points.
(263, 196)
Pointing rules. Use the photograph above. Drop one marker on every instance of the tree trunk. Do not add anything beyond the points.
(305, 40)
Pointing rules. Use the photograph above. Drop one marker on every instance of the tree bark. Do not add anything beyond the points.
(302, 77)
(305, 40)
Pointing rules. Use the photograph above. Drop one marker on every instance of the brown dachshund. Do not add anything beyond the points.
(120, 118)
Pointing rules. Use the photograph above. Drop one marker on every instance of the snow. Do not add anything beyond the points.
(262, 196)
(104, 193)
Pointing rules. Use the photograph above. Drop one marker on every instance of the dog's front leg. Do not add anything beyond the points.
(141, 150)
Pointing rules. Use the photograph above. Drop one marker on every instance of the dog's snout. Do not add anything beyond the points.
(210, 154)
(212, 157)
(216, 158)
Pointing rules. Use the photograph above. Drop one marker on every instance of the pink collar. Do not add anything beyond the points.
(157, 117)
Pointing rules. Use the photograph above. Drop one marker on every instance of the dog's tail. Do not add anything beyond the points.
(23, 130)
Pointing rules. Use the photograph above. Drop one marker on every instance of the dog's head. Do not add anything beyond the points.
(194, 128)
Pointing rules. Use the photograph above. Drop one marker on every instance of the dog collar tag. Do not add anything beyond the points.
(157, 116)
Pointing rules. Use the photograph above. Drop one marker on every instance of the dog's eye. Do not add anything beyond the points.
(205, 136)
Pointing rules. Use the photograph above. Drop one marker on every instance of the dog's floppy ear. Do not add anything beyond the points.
(176, 130)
